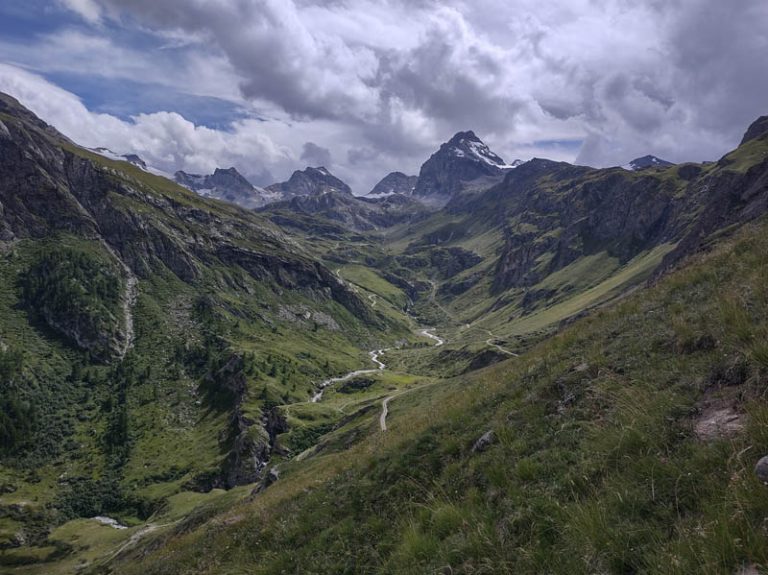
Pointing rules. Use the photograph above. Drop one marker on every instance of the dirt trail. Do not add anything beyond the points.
(384, 412)
(491, 342)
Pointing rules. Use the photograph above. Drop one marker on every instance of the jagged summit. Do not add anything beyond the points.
(463, 162)
(309, 182)
(225, 184)
(468, 145)
(647, 162)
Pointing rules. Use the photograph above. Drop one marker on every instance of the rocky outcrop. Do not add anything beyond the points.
(395, 183)
(757, 130)
(761, 469)
(249, 444)
(484, 441)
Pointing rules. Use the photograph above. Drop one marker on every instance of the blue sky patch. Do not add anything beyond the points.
(125, 98)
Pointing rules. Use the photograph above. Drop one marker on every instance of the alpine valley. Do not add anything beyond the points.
(488, 367)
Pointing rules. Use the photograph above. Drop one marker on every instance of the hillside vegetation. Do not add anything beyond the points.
(624, 444)
(552, 369)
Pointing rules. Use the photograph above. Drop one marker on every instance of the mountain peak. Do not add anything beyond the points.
(464, 161)
(458, 137)
(231, 176)
(309, 182)
(225, 184)
(231, 171)
(468, 145)
(647, 162)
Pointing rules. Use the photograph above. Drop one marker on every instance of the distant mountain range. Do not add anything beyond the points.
(462, 164)
(228, 185)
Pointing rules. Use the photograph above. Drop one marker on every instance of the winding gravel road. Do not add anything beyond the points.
(374, 355)
(439, 340)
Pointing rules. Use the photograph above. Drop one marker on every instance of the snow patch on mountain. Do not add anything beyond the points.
(646, 162)
(131, 159)
(479, 151)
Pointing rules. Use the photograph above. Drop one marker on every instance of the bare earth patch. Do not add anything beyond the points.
(719, 418)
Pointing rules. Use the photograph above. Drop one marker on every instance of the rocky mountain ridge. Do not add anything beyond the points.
(309, 182)
(228, 185)
(359, 214)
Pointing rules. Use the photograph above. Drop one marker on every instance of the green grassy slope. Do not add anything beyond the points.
(602, 459)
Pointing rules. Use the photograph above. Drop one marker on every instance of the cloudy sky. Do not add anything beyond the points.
(366, 87)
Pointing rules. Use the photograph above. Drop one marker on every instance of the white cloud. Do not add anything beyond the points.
(380, 83)
(166, 140)
(88, 9)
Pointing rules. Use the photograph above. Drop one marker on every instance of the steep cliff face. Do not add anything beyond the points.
(734, 192)
(554, 214)
(757, 130)
(553, 220)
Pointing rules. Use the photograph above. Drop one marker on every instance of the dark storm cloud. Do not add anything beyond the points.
(690, 96)
(316, 156)
(722, 48)
(360, 156)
